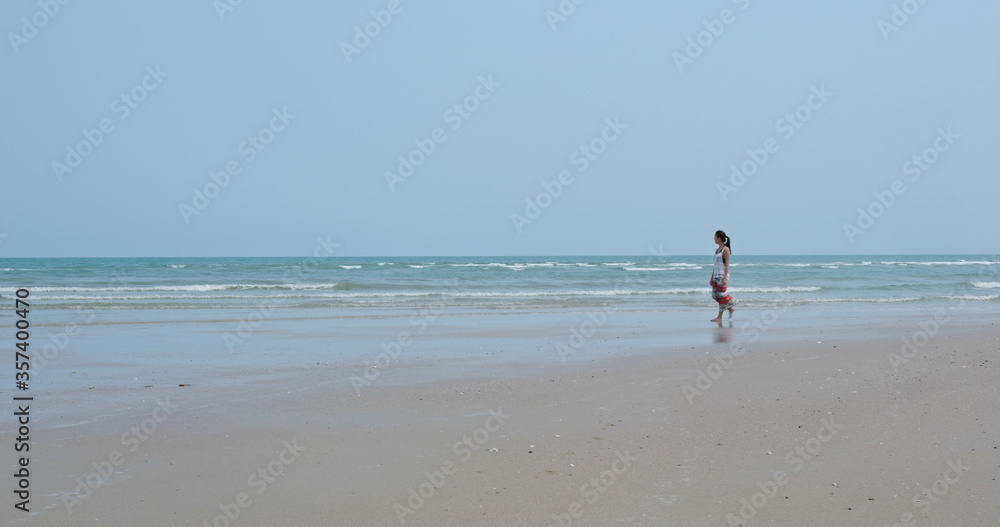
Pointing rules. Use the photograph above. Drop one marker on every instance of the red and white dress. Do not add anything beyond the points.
(725, 300)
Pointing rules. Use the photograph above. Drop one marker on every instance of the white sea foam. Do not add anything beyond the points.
(793, 289)
(959, 262)
(973, 297)
(516, 267)
(844, 264)
(350, 267)
(505, 265)
(200, 288)
(661, 268)
(986, 285)
(882, 300)
(825, 265)
(236, 290)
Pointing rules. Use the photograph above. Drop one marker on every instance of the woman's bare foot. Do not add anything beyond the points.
(730, 313)
(717, 319)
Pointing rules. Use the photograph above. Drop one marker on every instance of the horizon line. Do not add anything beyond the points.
(502, 255)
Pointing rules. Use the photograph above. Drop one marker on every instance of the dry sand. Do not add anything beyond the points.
(807, 433)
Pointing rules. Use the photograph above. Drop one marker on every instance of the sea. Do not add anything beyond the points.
(500, 284)
(127, 323)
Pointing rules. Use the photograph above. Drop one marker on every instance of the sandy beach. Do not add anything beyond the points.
(402, 263)
(828, 431)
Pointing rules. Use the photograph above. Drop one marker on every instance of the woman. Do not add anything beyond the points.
(720, 276)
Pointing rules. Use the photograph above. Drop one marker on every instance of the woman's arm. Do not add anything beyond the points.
(725, 260)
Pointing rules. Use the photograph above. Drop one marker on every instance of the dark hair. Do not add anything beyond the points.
(722, 236)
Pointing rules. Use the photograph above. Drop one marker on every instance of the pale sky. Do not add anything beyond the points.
(311, 104)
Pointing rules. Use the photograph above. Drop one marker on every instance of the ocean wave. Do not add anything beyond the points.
(178, 266)
(350, 267)
(825, 265)
(201, 288)
(881, 300)
(959, 262)
(234, 295)
(561, 264)
(418, 266)
(972, 297)
(792, 289)
(662, 268)
(513, 266)
(986, 285)
(845, 264)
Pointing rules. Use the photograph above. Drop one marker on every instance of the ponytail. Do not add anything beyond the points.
(722, 236)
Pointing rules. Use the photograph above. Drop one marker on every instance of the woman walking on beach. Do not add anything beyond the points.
(720, 276)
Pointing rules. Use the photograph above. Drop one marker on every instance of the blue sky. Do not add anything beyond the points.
(311, 115)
